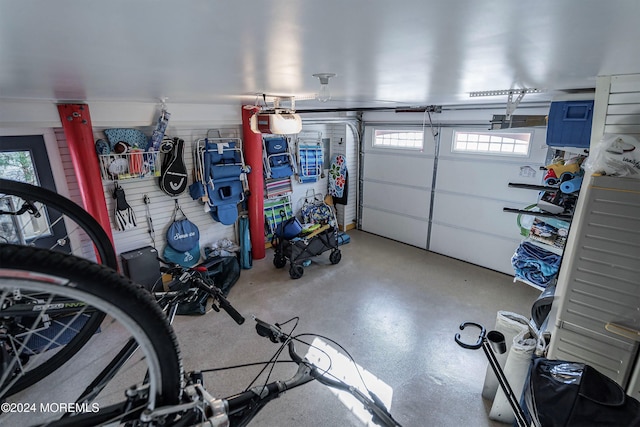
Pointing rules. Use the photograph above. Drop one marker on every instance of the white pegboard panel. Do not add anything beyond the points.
(161, 205)
(83, 241)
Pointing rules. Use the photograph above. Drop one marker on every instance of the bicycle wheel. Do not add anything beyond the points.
(65, 283)
(46, 214)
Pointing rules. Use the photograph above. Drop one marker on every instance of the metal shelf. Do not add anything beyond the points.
(132, 165)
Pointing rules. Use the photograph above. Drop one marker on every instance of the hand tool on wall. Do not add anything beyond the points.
(152, 232)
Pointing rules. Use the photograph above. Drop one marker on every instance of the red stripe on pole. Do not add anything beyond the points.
(255, 203)
(76, 122)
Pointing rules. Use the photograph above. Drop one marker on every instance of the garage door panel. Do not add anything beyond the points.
(485, 215)
(398, 199)
(462, 176)
(399, 169)
(397, 227)
(474, 247)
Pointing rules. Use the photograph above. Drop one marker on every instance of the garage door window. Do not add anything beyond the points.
(398, 139)
(502, 144)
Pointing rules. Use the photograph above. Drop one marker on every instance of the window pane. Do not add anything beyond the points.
(400, 139)
(461, 145)
(19, 166)
(519, 148)
(512, 144)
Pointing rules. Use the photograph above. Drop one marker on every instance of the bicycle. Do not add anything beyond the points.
(34, 216)
(162, 393)
(186, 283)
(58, 286)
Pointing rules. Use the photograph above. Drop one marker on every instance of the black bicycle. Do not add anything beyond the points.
(37, 217)
(159, 392)
(140, 378)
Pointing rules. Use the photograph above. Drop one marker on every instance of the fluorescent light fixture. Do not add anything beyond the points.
(276, 123)
(505, 92)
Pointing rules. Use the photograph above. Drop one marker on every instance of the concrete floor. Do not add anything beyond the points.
(394, 307)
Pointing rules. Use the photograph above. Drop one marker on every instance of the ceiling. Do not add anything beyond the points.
(385, 53)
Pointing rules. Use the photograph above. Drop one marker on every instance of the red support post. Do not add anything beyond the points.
(255, 204)
(76, 122)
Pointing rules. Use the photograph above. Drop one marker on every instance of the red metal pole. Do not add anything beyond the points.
(255, 204)
(76, 122)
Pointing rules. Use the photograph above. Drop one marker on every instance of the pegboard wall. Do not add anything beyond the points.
(161, 206)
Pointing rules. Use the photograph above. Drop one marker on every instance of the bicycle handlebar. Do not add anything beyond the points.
(217, 294)
(257, 397)
(193, 276)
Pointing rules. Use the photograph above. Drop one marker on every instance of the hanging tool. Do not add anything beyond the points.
(152, 232)
(125, 217)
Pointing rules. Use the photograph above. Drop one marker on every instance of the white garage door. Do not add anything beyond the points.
(471, 189)
(466, 220)
(397, 183)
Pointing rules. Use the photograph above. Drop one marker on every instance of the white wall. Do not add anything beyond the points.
(189, 122)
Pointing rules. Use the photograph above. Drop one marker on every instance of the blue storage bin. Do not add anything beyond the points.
(570, 124)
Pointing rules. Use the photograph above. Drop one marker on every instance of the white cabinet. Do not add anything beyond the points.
(602, 286)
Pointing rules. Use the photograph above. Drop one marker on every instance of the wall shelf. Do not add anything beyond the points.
(526, 282)
(132, 165)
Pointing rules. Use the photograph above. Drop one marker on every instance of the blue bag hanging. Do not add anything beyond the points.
(246, 260)
(182, 235)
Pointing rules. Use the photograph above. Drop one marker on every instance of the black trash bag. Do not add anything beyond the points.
(569, 394)
(224, 271)
(196, 305)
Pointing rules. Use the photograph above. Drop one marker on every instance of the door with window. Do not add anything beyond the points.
(475, 167)
(397, 180)
(458, 210)
(24, 159)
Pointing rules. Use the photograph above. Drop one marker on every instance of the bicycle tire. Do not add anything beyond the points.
(64, 206)
(106, 255)
(106, 290)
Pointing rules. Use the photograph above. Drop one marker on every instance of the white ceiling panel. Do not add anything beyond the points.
(415, 52)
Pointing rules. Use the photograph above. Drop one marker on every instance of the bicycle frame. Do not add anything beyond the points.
(238, 410)
(169, 302)
(56, 306)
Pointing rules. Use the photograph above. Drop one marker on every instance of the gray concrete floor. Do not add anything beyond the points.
(394, 307)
